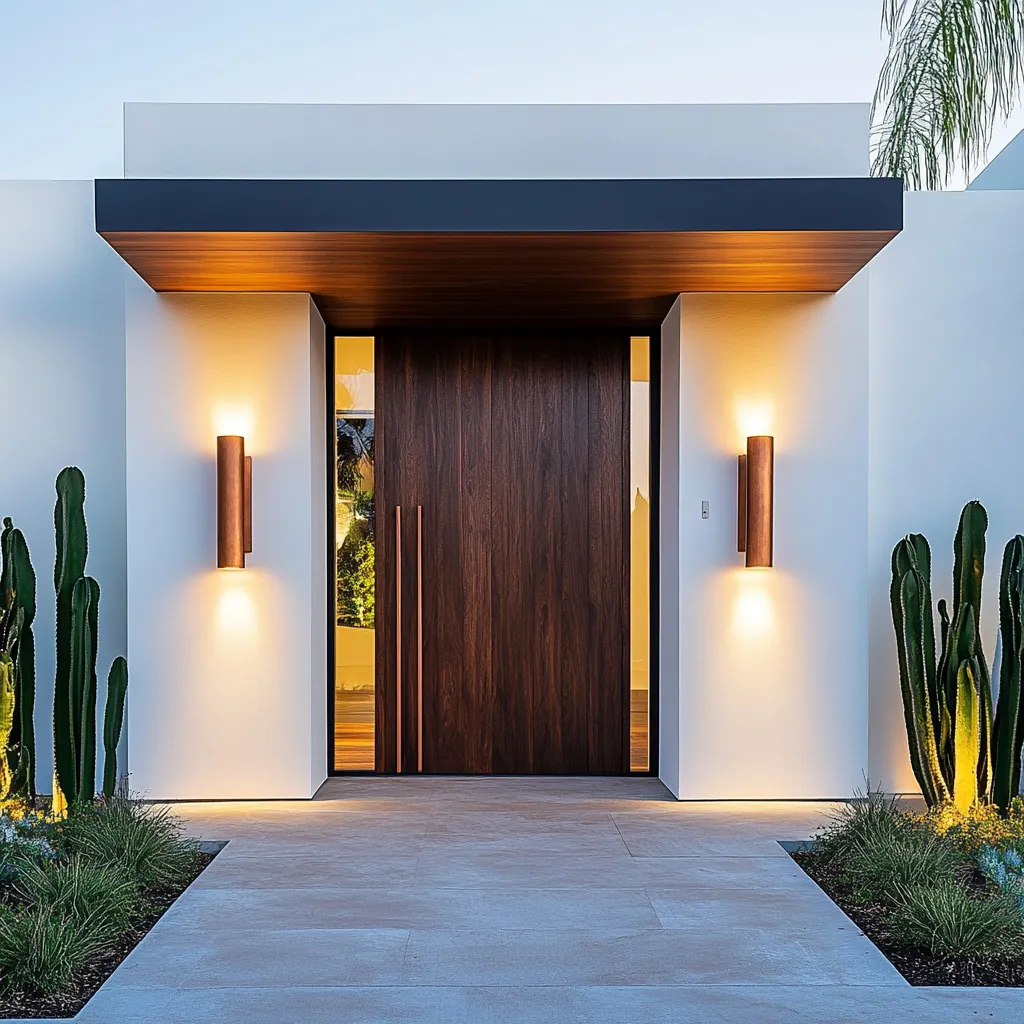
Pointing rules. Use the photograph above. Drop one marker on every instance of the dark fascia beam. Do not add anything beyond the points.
(453, 206)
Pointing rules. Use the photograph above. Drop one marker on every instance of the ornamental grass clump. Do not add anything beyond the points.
(43, 950)
(143, 842)
(895, 864)
(878, 849)
(865, 822)
(99, 896)
(950, 921)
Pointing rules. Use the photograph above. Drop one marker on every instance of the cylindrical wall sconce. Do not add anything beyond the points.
(755, 502)
(234, 502)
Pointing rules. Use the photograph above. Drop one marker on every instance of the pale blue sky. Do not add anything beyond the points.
(66, 67)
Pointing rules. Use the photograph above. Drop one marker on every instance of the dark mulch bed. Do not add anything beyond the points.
(918, 966)
(14, 1004)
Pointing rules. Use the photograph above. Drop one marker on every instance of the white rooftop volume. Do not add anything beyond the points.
(416, 141)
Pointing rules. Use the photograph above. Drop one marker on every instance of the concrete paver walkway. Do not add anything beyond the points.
(506, 900)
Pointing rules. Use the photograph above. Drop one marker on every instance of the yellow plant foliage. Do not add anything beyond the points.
(14, 810)
(6, 720)
(60, 803)
(981, 825)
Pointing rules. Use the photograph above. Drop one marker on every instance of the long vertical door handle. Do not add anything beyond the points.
(419, 638)
(398, 638)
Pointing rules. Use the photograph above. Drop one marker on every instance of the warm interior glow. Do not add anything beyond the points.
(354, 605)
(353, 374)
(640, 359)
(640, 551)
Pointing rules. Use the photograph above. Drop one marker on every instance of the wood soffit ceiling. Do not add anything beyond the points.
(390, 253)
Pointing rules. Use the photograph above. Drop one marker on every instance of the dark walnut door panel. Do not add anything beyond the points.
(502, 597)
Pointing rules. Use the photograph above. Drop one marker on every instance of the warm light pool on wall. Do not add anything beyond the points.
(234, 502)
(754, 507)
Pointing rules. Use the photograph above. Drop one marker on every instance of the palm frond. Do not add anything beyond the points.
(953, 68)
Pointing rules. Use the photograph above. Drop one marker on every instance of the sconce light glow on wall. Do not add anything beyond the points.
(234, 502)
(755, 511)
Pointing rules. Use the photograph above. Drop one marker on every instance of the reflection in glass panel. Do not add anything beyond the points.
(354, 555)
(640, 553)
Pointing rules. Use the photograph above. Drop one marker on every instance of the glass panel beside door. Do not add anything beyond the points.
(640, 554)
(354, 549)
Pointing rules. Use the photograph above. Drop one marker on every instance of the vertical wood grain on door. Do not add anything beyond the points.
(516, 448)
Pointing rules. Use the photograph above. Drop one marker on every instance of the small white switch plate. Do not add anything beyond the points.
(705, 510)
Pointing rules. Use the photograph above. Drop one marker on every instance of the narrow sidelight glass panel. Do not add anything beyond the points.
(640, 553)
(355, 523)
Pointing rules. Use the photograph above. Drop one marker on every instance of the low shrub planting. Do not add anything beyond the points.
(940, 893)
(77, 893)
(951, 921)
(85, 873)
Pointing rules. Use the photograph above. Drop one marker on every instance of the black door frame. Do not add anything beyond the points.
(653, 332)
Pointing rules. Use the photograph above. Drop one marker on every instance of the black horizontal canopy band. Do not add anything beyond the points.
(606, 205)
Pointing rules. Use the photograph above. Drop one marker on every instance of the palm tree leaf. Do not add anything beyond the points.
(953, 68)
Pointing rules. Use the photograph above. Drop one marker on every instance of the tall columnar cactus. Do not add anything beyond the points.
(968, 572)
(85, 602)
(113, 718)
(1008, 732)
(18, 585)
(68, 569)
(924, 705)
(955, 752)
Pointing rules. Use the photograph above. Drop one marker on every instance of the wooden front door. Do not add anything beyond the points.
(502, 553)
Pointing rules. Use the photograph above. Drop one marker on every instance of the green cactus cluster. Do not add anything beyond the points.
(74, 692)
(958, 753)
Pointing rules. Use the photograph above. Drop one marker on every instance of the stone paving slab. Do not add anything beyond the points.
(513, 900)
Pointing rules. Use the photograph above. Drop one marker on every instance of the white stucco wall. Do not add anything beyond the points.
(232, 664)
(62, 372)
(772, 691)
(946, 413)
(268, 140)
(671, 635)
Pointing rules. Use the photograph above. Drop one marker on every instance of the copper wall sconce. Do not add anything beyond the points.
(755, 502)
(234, 502)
